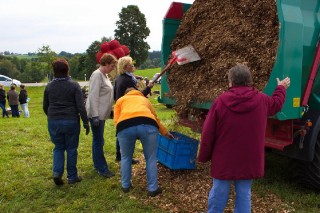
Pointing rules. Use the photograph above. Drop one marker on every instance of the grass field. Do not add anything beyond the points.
(26, 170)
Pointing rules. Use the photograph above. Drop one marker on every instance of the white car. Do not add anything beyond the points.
(6, 81)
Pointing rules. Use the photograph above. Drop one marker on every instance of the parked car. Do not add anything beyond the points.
(6, 81)
(155, 76)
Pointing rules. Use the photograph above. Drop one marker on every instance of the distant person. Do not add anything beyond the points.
(63, 104)
(13, 99)
(99, 107)
(135, 118)
(126, 80)
(233, 138)
(23, 97)
(3, 102)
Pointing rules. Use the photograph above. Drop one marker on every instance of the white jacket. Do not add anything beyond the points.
(100, 96)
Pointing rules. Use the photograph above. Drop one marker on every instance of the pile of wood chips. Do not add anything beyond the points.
(223, 33)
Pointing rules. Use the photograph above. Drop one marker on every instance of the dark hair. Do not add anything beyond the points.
(22, 86)
(107, 59)
(240, 75)
(60, 68)
(12, 87)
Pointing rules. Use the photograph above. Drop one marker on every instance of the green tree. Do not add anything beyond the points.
(8, 68)
(34, 72)
(132, 31)
(47, 56)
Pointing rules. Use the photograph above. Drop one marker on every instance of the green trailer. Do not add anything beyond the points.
(295, 130)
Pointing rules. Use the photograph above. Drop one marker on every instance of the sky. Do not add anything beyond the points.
(70, 25)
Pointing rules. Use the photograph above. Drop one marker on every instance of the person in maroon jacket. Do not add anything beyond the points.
(233, 138)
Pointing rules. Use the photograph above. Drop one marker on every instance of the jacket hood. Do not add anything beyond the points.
(240, 99)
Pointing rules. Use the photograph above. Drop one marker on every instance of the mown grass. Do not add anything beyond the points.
(26, 170)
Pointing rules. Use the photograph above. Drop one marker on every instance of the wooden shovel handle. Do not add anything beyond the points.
(171, 62)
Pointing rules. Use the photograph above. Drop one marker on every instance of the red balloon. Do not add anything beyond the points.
(105, 47)
(98, 56)
(119, 52)
(125, 49)
(114, 44)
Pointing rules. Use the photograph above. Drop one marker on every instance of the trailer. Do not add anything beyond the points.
(294, 131)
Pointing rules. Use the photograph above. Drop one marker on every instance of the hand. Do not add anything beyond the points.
(169, 136)
(86, 126)
(285, 82)
(95, 121)
(150, 84)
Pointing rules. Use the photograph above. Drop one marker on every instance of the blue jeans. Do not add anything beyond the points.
(148, 135)
(99, 161)
(65, 136)
(15, 110)
(4, 111)
(219, 195)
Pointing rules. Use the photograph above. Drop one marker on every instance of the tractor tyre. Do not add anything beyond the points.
(307, 173)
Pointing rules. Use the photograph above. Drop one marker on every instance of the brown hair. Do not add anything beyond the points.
(107, 58)
(60, 68)
(22, 86)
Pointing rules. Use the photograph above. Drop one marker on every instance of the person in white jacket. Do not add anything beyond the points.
(99, 107)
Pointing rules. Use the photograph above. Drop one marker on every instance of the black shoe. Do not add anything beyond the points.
(58, 180)
(134, 161)
(155, 193)
(78, 179)
(108, 174)
(126, 190)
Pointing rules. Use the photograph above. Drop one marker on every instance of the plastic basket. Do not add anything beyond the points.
(178, 153)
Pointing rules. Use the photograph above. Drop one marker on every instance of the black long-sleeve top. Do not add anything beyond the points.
(63, 99)
(122, 83)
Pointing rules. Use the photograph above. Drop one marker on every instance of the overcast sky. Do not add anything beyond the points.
(70, 25)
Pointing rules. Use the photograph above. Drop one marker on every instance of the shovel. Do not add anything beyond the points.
(181, 56)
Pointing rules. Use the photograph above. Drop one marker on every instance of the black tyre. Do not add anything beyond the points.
(308, 173)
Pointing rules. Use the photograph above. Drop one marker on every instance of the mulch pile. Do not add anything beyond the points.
(223, 33)
(187, 191)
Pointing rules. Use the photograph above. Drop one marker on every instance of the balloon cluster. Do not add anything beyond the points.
(113, 47)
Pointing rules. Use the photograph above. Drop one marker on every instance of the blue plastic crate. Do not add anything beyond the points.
(178, 153)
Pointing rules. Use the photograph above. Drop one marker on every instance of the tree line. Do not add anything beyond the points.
(131, 31)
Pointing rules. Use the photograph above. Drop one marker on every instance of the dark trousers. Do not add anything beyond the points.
(15, 110)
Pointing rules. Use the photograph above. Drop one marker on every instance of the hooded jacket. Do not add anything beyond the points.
(233, 134)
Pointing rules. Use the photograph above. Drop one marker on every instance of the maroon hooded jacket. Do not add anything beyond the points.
(233, 134)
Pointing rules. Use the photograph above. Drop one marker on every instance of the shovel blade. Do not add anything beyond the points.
(186, 55)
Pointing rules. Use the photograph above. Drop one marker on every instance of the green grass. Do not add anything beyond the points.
(26, 170)
(147, 72)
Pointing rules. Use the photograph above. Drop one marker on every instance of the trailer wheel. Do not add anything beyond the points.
(308, 173)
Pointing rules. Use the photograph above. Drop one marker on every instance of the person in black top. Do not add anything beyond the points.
(3, 101)
(126, 80)
(23, 96)
(63, 104)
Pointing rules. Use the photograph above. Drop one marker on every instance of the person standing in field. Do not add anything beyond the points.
(233, 138)
(23, 96)
(99, 107)
(13, 101)
(63, 104)
(3, 102)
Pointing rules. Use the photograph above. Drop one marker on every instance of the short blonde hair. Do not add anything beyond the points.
(122, 63)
